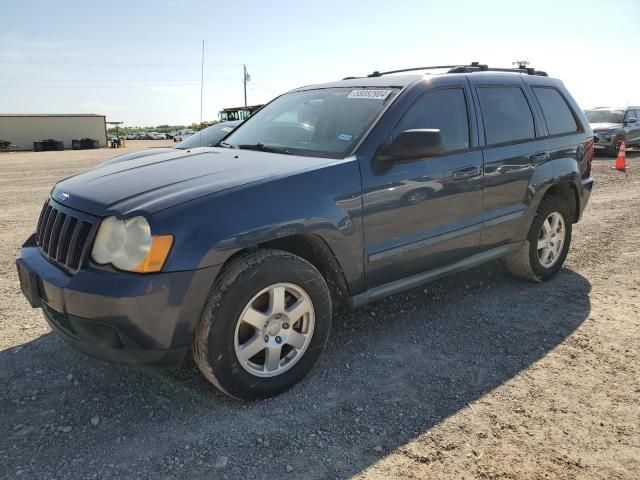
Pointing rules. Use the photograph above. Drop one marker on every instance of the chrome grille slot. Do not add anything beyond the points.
(64, 235)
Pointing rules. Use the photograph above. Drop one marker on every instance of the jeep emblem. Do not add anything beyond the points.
(62, 196)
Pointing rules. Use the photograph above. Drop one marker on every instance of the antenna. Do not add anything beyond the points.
(201, 82)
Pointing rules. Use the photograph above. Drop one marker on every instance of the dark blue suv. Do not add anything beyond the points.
(333, 194)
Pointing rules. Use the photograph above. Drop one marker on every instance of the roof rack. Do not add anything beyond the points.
(473, 67)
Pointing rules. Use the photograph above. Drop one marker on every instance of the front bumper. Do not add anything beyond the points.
(601, 143)
(117, 316)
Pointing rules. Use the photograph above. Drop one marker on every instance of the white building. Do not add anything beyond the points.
(24, 129)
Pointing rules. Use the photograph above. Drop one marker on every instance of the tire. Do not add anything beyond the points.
(526, 262)
(217, 347)
(613, 150)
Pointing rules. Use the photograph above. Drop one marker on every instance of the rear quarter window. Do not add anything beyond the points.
(556, 112)
(506, 115)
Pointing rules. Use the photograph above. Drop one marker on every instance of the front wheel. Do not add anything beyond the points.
(264, 326)
(615, 147)
(547, 244)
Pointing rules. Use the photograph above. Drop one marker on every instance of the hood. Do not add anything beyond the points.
(604, 126)
(152, 182)
(130, 156)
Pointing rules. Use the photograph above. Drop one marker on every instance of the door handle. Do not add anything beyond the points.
(538, 157)
(466, 172)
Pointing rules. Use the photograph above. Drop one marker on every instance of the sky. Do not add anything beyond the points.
(140, 61)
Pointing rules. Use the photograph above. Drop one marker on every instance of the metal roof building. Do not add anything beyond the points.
(24, 129)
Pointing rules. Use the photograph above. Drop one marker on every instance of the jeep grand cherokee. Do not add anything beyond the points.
(340, 193)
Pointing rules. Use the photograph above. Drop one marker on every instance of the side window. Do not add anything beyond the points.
(445, 110)
(555, 110)
(506, 115)
(629, 114)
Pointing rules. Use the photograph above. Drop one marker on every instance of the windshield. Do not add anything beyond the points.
(322, 123)
(208, 137)
(605, 116)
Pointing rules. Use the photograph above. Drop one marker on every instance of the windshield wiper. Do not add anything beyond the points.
(264, 148)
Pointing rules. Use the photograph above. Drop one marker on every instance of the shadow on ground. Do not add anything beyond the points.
(391, 371)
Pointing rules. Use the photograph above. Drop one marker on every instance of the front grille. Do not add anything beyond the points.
(63, 235)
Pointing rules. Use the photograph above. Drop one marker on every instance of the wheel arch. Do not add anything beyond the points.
(315, 250)
(569, 193)
(565, 189)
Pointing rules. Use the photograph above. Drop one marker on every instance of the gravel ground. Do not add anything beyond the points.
(474, 376)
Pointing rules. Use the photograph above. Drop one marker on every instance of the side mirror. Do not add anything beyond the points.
(411, 145)
(631, 120)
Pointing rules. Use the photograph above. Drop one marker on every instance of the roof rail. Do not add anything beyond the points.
(473, 67)
(477, 67)
(435, 67)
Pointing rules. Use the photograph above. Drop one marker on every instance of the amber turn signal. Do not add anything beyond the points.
(158, 253)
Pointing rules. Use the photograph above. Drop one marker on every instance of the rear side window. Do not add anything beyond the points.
(506, 115)
(445, 110)
(555, 110)
(629, 114)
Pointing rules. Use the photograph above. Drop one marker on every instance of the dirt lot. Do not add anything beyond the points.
(475, 376)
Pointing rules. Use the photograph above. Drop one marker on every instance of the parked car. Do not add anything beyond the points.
(183, 134)
(331, 195)
(207, 138)
(131, 136)
(157, 136)
(612, 126)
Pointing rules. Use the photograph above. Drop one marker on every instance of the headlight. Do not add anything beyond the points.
(129, 245)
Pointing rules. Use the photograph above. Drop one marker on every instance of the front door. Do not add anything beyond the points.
(632, 130)
(425, 213)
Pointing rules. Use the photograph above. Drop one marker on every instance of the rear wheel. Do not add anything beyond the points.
(264, 326)
(547, 244)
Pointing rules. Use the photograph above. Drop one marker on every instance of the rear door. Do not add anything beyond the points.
(425, 213)
(514, 148)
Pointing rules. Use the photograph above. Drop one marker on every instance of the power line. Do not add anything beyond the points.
(91, 64)
(192, 84)
(263, 88)
(102, 80)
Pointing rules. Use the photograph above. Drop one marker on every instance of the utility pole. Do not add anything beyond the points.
(245, 79)
(201, 82)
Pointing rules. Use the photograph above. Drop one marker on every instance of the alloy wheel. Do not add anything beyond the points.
(274, 330)
(551, 239)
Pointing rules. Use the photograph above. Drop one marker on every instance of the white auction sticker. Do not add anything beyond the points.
(370, 93)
